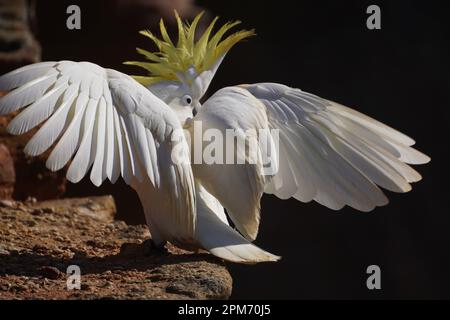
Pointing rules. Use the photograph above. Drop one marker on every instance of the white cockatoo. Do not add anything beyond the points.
(115, 125)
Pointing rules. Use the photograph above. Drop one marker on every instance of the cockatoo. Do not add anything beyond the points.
(116, 125)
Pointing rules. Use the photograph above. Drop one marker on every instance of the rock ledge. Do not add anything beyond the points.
(39, 240)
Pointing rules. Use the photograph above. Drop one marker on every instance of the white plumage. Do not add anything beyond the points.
(104, 121)
(335, 155)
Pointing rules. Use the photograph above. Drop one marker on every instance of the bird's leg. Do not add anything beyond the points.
(154, 247)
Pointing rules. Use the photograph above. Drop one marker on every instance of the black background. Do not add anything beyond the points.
(399, 75)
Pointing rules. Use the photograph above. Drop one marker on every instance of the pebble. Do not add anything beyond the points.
(7, 203)
(31, 200)
(107, 284)
(60, 239)
(58, 251)
(48, 210)
(50, 272)
(92, 243)
(110, 226)
(19, 288)
(5, 286)
(3, 250)
(85, 286)
(13, 252)
(39, 248)
(30, 223)
(37, 212)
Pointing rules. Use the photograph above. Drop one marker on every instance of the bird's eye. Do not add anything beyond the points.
(187, 100)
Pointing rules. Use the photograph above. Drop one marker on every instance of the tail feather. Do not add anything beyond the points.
(216, 236)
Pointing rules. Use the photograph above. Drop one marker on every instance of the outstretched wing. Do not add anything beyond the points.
(333, 154)
(326, 152)
(103, 119)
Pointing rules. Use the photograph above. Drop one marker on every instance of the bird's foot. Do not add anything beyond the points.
(151, 247)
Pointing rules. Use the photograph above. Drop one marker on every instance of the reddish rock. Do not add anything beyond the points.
(50, 272)
(7, 173)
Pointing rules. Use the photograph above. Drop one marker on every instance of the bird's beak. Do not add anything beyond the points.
(197, 107)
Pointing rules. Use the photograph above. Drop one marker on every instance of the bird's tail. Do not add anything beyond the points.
(215, 235)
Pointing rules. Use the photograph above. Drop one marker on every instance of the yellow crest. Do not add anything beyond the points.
(172, 59)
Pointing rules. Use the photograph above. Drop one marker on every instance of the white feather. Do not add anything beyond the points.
(130, 152)
(124, 158)
(97, 173)
(26, 94)
(215, 235)
(53, 127)
(70, 140)
(19, 77)
(37, 112)
(84, 156)
(334, 153)
(153, 156)
(137, 129)
(372, 124)
(112, 154)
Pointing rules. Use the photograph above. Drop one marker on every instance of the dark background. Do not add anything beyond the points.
(399, 75)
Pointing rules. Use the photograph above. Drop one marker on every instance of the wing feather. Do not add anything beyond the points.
(112, 164)
(342, 154)
(26, 94)
(83, 158)
(70, 140)
(138, 131)
(53, 127)
(37, 112)
(98, 175)
(21, 76)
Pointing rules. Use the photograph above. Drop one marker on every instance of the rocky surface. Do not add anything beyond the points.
(7, 173)
(40, 240)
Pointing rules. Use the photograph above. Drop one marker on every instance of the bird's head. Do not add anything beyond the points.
(181, 73)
